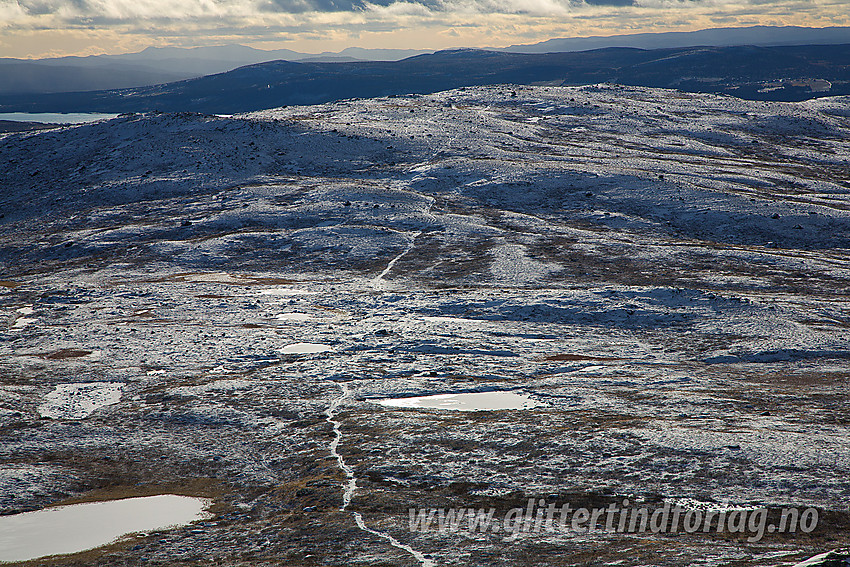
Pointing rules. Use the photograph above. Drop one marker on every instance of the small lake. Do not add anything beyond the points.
(78, 527)
(292, 316)
(55, 117)
(287, 291)
(305, 348)
(473, 401)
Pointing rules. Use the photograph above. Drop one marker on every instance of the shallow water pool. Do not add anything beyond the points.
(287, 291)
(305, 348)
(473, 401)
(78, 527)
(56, 117)
(298, 317)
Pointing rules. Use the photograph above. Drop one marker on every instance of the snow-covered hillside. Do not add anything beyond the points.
(666, 274)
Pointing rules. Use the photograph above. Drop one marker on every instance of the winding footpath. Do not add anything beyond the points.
(378, 282)
(351, 485)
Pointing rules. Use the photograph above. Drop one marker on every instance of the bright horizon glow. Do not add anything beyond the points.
(54, 28)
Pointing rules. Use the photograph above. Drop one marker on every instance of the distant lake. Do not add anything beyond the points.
(55, 117)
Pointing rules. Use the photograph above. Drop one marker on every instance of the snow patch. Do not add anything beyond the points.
(22, 322)
(79, 400)
(512, 266)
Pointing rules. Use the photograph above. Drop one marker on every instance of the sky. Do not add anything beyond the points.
(49, 28)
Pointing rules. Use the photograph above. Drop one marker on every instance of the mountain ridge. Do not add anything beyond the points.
(765, 36)
(157, 65)
(761, 73)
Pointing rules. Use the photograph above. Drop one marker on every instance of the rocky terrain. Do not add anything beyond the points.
(665, 274)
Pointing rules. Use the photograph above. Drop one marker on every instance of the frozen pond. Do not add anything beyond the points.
(286, 291)
(474, 401)
(304, 348)
(55, 117)
(295, 317)
(75, 528)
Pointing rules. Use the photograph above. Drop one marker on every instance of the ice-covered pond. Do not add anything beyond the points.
(472, 401)
(56, 117)
(305, 348)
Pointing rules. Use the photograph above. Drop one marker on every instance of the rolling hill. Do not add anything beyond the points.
(785, 73)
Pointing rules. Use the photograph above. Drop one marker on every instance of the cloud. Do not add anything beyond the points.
(122, 10)
(319, 25)
(611, 2)
(117, 10)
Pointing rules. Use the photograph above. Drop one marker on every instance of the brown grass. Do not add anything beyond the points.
(577, 357)
(246, 280)
(64, 353)
(197, 487)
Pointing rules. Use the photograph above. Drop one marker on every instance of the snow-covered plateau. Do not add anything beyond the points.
(217, 306)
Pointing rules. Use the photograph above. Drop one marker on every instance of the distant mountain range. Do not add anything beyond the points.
(763, 73)
(762, 36)
(157, 65)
